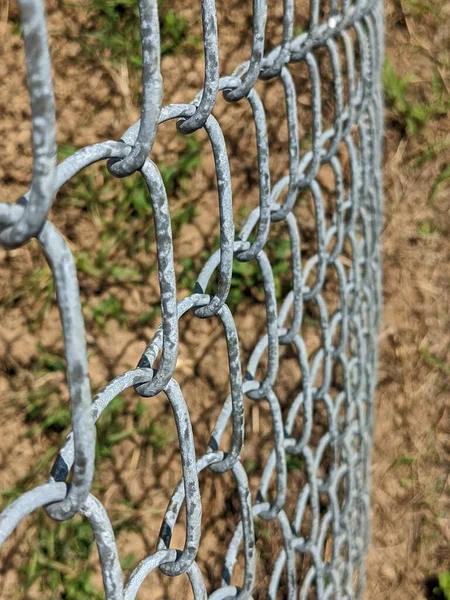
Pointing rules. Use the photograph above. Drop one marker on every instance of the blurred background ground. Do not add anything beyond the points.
(95, 54)
(411, 524)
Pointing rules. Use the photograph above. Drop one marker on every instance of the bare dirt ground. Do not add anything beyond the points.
(97, 98)
(411, 524)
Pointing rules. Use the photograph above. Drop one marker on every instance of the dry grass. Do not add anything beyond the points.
(411, 451)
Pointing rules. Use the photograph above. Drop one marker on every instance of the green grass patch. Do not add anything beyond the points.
(440, 587)
(177, 176)
(442, 179)
(59, 554)
(434, 361)
(409, 114)
(428, 230)
(107, 309)
(112, 31)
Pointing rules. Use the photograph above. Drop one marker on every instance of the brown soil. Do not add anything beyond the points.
(411, 532)
(96, 100)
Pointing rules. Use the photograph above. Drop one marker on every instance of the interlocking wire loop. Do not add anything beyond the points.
(327, 525)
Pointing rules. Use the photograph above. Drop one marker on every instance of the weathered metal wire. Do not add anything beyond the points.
(152, 89)
(44, 133)
(331, 534)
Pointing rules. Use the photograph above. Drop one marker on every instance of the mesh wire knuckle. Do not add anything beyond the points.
(328, 524)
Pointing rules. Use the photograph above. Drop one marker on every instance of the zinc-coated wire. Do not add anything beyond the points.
(330, 521)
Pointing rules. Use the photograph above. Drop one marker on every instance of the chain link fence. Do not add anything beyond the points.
(327, 428)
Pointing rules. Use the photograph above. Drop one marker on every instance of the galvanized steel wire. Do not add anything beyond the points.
(352, 34)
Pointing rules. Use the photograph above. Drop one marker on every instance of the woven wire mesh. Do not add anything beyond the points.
(322, 510)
